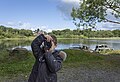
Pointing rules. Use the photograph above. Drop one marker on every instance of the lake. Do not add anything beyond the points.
(62, 43)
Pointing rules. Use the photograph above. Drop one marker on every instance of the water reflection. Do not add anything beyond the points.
(62, 43)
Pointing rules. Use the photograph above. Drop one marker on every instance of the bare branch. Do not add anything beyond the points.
(107, 20)
(113, 7)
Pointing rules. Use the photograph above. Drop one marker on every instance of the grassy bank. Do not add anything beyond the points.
(25, 38)
(76, 58)
(106, 38)
(32, 37)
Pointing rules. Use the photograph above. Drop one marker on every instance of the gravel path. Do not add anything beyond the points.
(79, 74)
(88, 75)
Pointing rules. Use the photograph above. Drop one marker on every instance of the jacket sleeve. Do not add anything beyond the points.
(35, 45)
(54, 64)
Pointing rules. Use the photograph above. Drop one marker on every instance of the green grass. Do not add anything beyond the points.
(75, 58)
(81, 56)
(10, 66)
(106, 38)
(111, 52)
(78, 58)
(24, 38)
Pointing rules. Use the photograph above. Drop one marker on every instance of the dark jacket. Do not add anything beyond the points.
(46, 64)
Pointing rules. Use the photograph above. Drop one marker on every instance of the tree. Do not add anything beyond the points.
(92, 11)
(116, 33)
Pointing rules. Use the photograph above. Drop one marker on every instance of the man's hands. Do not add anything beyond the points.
(49, 38)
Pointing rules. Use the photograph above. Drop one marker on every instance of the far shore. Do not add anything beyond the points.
(31, 38)
(105, 38)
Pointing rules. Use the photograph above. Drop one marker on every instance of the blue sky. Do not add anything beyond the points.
(44, 14)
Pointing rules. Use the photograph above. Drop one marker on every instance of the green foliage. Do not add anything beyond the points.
(6, 32)
(86, 33)
(92, 11)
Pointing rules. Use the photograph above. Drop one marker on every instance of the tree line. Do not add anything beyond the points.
(7, 32)
(86, 33)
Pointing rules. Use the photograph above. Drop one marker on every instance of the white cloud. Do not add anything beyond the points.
(51, 29)
(27, 25)
(71, 1)
(19, 25)
(24, 25)
(48, 29)
(65, 7)
(111, 17)
(107, 26)
(10, 23)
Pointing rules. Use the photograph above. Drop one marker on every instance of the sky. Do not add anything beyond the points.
(46, 15)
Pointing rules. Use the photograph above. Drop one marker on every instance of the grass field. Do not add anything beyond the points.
(14, 66)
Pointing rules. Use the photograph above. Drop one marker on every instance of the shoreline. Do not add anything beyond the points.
(31, 38)
(106, 38)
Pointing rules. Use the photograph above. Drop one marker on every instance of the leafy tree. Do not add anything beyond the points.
(92, 11)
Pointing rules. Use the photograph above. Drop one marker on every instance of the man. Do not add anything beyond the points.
(48, 61)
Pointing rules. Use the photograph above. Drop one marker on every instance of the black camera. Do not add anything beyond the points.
(47, 45)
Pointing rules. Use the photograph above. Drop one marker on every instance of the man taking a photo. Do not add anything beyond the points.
(48, 60)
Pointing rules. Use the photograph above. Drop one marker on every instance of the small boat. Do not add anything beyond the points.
(102, 47)
(80, 46)
(75, 47)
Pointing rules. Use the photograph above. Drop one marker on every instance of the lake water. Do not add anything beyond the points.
(62, 43)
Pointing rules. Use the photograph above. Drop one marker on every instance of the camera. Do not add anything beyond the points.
(47, 45)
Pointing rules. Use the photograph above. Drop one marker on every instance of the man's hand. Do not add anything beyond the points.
(49, 38)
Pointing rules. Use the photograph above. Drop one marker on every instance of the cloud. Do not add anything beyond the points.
(44, 28)
(24, 25)
(10, 23)
(29, 26)
(65, 7)
(111, 17)
(19, 25)
(71, 1)
(107, 26)
(48, 29)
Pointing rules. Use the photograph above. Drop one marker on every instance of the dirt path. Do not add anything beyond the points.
(89, 75)
(80, 74)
